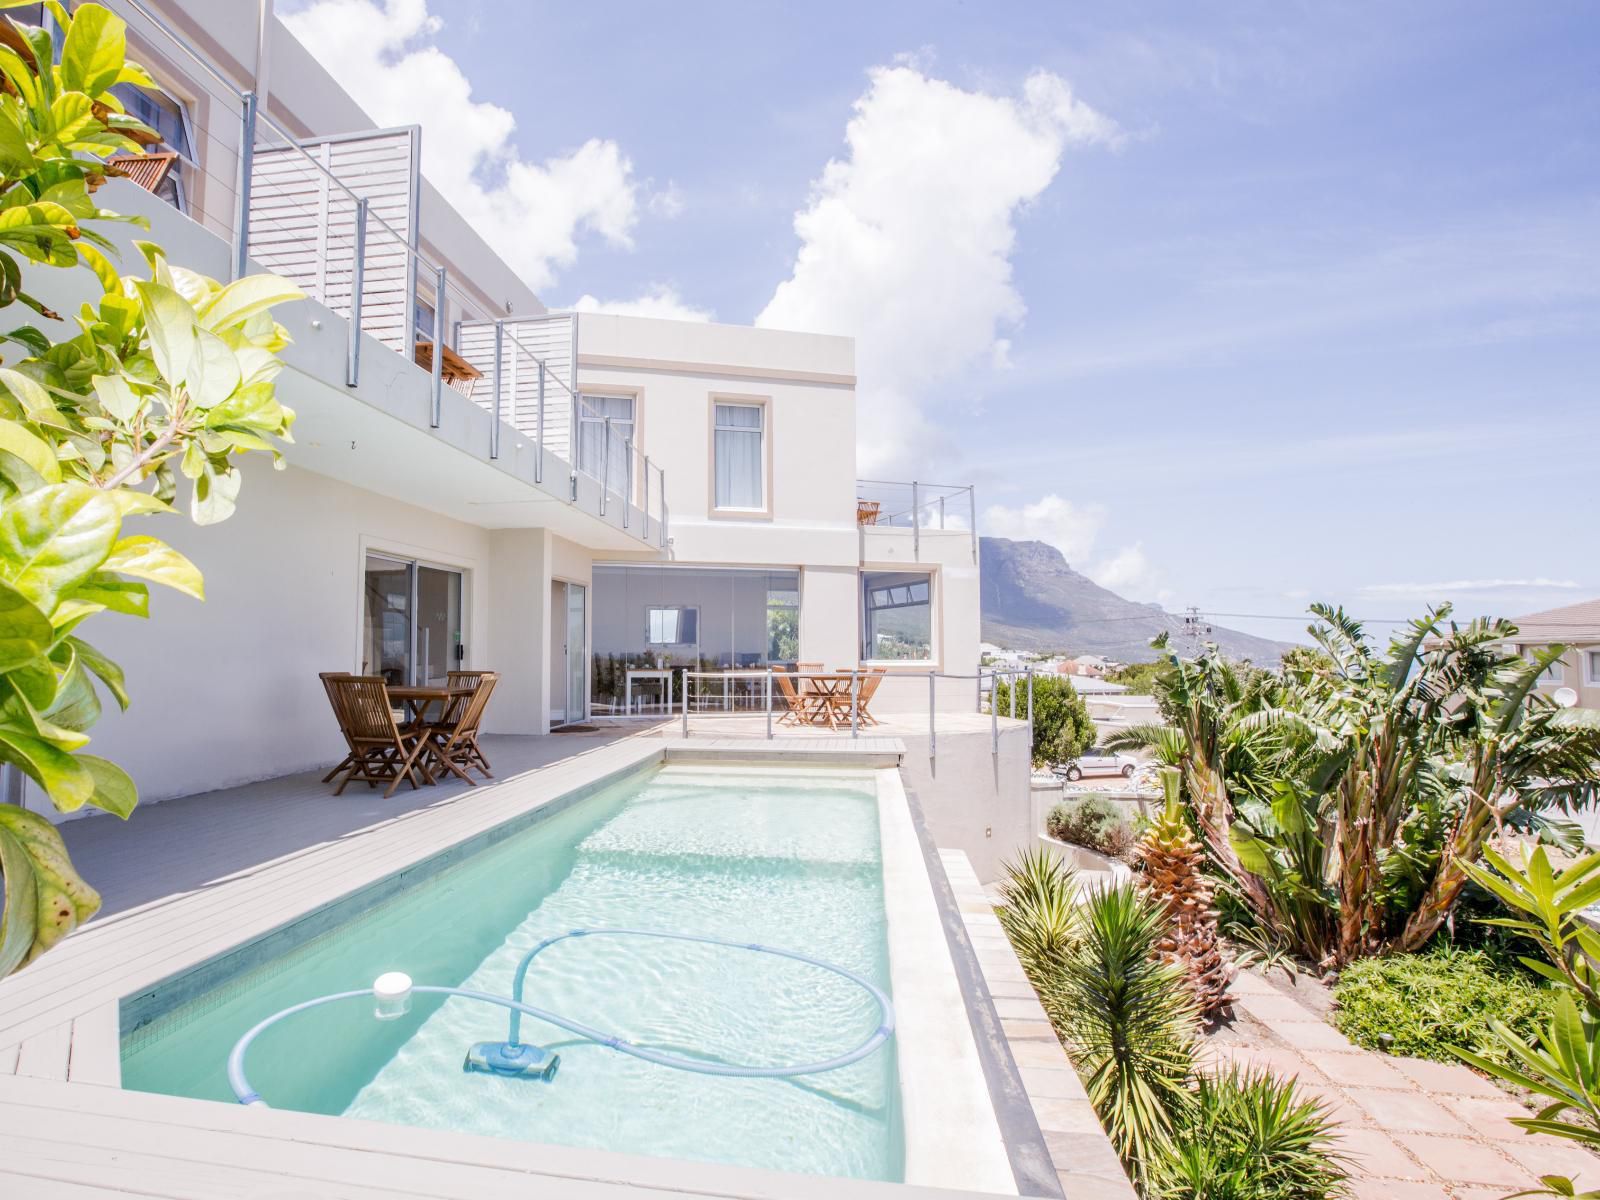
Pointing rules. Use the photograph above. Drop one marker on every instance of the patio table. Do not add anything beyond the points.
(418, 699)
(833, 690)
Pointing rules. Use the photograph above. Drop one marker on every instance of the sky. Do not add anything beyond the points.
(1240, 305)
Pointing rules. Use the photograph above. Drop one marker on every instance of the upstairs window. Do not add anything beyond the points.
(169, 117)
(673, 626)
(738, 436)
(592, 414)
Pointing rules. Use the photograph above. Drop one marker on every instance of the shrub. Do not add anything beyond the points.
(1094, 822)
(1062, 727)
(1250, 1136)
(1038, 914)
(1432, 1001)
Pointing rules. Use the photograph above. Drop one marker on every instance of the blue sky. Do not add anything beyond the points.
(1241, 308)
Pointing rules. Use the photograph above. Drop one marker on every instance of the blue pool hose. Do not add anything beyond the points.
(246, 1094)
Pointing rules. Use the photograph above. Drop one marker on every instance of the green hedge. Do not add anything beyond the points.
(1440, 998)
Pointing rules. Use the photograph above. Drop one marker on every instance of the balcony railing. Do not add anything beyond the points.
(338, 216)
(918, 507)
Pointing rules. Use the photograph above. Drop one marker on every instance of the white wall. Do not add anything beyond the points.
(226, 691)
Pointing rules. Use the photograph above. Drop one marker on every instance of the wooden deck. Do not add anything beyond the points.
(189, 879)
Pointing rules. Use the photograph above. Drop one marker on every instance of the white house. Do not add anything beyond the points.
(565, 499)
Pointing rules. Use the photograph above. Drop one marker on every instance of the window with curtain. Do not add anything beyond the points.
(897, 616)
(739, 442)
(592, 414)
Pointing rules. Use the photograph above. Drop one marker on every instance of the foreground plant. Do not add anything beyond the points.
(1039, 912)
(1561, 1063)
(1174, 877)
(173, 373)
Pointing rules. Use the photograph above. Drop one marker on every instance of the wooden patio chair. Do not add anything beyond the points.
(800, 707)
(457, 705)
(867, 511)
(351, 757)
(455, 744)
(383, 751)
(869, 686)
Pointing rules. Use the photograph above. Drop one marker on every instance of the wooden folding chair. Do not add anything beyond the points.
(351, 757)
(454, 745)
(383, 751)
(868, 686)
(801, 707)
(457, 705)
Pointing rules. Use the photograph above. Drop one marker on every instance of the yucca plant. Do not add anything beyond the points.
(1250, 1136)
(1039, 913)
(1131, 1021)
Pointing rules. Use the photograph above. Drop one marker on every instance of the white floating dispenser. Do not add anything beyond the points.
(392, 993)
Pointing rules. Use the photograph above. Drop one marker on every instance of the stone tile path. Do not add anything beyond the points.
(1412, 1129)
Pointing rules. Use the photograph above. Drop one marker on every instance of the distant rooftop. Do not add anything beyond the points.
(1574, 623)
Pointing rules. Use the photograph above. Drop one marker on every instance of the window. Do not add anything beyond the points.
(739, 448)
(170, 119)
(592, 414)
(897, 622)
(1551, 675)
(422, 320)
(676, 626)
(1591, 667)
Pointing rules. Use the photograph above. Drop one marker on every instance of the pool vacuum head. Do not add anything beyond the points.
(517, 1061)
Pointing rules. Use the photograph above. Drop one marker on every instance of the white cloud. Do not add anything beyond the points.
(668, 202)
(662, 300)
(1129, 573)
(1469, 585)
(906, 242)
(1070, 528)
(533, 213)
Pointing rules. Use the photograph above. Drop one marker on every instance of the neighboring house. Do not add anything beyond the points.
(567, 500)
(1577, 626)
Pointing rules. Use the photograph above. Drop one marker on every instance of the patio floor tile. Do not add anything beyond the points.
(1372, 1153)
(1407, 1112)
(1362, 1069)
(1568, 1159)
(1489, 1116)
(1396, 1189)
(1311, 1035)
(1460, 1160)
(1455, 1079)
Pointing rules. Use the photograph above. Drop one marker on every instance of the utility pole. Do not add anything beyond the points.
(1196, 629)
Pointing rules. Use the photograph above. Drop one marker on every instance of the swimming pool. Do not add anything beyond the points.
(790, 858)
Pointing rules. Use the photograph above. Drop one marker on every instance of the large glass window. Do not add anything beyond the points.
(411, 627)
(592, 414)
(170, 119)
(655, 618)
(739, 444)
(897, 616)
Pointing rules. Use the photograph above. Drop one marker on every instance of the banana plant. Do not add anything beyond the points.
(1562, 1065)
(166, 375)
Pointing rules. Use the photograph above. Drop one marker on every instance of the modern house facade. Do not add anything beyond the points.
(589, 504)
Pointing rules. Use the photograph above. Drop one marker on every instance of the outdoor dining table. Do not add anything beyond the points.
(418, 699)
(833, 692)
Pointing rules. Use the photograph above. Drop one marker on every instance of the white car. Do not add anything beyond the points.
(1095, 761)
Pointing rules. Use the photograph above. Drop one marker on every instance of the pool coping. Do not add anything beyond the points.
(60, 1026)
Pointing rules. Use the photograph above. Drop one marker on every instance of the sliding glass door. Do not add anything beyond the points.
(411, 621)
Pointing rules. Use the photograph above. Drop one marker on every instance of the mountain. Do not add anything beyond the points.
(1032, 600)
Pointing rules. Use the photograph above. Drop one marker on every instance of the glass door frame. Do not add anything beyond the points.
(573, 714)
(412, 564)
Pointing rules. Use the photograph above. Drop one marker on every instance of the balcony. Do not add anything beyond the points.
(339, 216)
(890, 512)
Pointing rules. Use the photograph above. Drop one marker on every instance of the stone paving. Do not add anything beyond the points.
(1412, 1129)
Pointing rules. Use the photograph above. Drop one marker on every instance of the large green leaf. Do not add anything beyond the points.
(214, 495)
(20, 916)
(102, 590)
(25, 632)
(55, 538)
(169, 318)
(244, 298)
(150, 558)
(96, 45)
(114, 790)
(67, 782)
(62, 900)
(17, 439)
(213, 371)
(109, 672)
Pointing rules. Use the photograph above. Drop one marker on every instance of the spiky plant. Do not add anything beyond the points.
(1250, 1136)
(1039, 912)
(1174, 878)
(1130, 1020)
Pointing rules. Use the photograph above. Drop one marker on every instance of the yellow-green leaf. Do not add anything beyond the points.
(150, 558)
(114, 790)
(31, 449)
(25, 632)
(63, 901)
(244, 298)
(169, 319)
(95, 50)
(55, 538)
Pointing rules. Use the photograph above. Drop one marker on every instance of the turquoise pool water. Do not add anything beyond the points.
(787, 858)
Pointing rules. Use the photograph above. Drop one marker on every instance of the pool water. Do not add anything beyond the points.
(788, 858)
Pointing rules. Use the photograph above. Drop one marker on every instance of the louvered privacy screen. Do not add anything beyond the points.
(548, 338)
(302, 224)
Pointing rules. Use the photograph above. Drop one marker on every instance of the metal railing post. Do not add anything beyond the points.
(855, 705)
(686, 702)
(538, 460)
(972, 522)
(994, 720)
(1012, 678)
(1030, 714)
(647, 497)
(769, 703)
(499, 376)
(941, 513)
(916, 521)
(605, 465)
(627, 450)
(933, 734)
(437, 380)
(358, 284)
(241, 205)
(661, 482)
